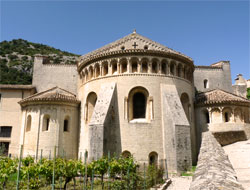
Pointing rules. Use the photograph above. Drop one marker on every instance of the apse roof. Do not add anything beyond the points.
(54, 94)
(219, 96)
(132, 41)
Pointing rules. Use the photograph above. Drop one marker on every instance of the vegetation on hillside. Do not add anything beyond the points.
(17, 57)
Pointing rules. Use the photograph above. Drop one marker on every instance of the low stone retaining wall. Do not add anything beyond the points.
(214, 170)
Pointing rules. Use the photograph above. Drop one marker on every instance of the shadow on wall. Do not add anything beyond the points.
(229, 137)
(112, 134)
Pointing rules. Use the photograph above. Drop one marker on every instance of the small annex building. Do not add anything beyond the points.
(133, 97)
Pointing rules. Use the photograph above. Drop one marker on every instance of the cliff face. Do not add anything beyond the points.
(17, 57)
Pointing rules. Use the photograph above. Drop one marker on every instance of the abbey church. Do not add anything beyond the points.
(133, 97)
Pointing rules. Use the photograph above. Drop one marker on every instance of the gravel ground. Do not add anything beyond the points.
(180, 183)
(239, 155)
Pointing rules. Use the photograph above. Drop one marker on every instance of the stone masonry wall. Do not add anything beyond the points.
(214, 170)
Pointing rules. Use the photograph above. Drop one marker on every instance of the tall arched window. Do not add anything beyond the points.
(153, 158)
(227, 114)
(91, 73)
(205, 83)
(154, 66)
(206, 116)
(97, 70)
(28, 126)
(164, 67)
(138, 98)
(144, 66)
(90, 105)
(172, 69)
(46, 123)
(66, 124)
(105, 69)
(124, 65)
(114, 66)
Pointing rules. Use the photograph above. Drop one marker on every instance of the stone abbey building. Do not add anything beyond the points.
(133, 96)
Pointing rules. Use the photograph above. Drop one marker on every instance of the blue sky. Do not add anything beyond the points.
(207, 31)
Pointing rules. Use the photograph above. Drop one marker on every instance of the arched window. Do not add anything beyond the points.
(206, 116)
(179, 68)
(138, 98)
(46, 123)
(28, 126)
(205, 83)
(123, 66)
(105, 69)
(144, 66)
(154, 66)
(90, 105)
(153, 158)
(97, 70)
(66, 124)
(114, 67)
(126, 154)
(227, 114)
(172, 69)
(185, 104)
(90, 72)
(134, 66)
(164, 67)
(139, 105)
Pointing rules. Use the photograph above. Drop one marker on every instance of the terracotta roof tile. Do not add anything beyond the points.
(55, 94)
(219, 96)
(17, 86)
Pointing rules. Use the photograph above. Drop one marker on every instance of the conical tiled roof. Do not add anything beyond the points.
(219, 96)
(55, 94)
(131, 43)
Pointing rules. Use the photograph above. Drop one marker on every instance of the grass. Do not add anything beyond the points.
(189, 172)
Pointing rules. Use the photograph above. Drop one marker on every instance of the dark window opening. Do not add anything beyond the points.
(134, 67)
(122, 48)
(154, 67)
(47, 124)
(152, 159)
(226, 117)
(4, 148)
(163, 68)
(205, 83)
(5, 131)
(145, 47)
(139, 105)
(66, 125)
(207, 117)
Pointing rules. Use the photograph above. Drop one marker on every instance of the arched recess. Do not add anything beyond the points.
(134, 64)
(29, 121)
(46, 122)
(238, 116)
(66, 124)
(97, 70)
(126, 154)
(86, 75)
(124, 65)
(186, 104)
(91, 73)
(153, 158)
(138, 103)
(105, 68)
(164, 67)
(227, 115)
(206, 116)
(114, 66)
(179, 70)
(144, 65)
(90, 105)
(155, 65)
(216, 115)
(172, 68)
(205, 83)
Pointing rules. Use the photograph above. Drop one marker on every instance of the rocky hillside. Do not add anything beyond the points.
(17, 57)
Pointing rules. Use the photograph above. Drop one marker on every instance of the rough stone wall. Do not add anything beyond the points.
(99, 121)
(217, 77)
(214, 170)
(240, 90)
(46, 76)
(176, 131)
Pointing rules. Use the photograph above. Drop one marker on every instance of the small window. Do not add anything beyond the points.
(5, 131)
(46, 122)
(153, 158)
(226, 117)
(134, 67)
(126, 154)
(145, 47)
(154, 67)
(123, 48)
(105, 69)
(66, 125)
(205, 83)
